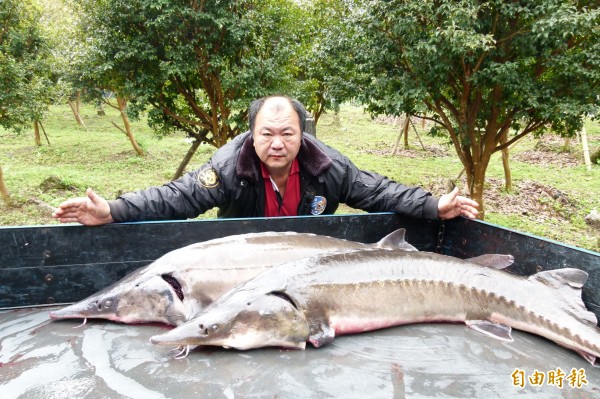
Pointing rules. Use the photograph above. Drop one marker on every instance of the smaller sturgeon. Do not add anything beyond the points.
(182, 282)
(317, 298)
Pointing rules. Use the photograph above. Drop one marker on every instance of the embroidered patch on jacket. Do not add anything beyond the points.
(208, 178)
(318, 205)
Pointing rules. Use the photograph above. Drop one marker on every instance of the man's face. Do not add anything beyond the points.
(277, 135)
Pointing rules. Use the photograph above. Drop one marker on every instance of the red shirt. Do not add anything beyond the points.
(288, 205)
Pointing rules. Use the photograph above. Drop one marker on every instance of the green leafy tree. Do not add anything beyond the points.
(87, 76)
(194, 65)
(60, 19)
(486, 72)
(324, 63)
(24, 82)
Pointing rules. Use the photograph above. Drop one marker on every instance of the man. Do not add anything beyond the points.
(273, 170)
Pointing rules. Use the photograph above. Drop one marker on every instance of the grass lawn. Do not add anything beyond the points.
(552, 190)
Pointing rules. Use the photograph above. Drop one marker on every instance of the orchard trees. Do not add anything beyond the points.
(196, 65)
(486, 72)
(24, 76)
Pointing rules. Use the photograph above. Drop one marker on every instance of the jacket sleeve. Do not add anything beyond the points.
(184, 198)
(375, 193)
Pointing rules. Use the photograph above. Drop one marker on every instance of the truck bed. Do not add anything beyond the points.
(55, 359)
(44, 266)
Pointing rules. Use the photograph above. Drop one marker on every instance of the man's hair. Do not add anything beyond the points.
(256, 105)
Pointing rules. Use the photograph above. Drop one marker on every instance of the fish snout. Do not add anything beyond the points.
(102, 307)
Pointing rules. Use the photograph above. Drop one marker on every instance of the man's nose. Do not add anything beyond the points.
(277, 142)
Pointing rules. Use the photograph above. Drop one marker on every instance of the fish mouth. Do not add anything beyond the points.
(61, 315)
(163, 339)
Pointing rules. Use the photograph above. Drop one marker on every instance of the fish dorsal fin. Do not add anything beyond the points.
(568, 282)
(493, 261)
(572, 277)
(395, 240)
(494, 330)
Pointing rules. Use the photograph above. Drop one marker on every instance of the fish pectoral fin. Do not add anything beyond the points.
(395, 240)
(493, 261)
(589, 357)
(323, 335)
(494, 330)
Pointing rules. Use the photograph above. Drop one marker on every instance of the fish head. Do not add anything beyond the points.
(271, 319)
(145, 299)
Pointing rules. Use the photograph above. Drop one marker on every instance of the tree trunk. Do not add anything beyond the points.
(405, 130)
(3, 189)
(75, 108)
(506, 165)
(595, 157)
(475, 181)
(186, 160)
(44, 130)
(78, 101)
(566, 144)
(403, 133)
(122, 102)
(475, 169)
(418, 136)
(36, 134)
(586, 150)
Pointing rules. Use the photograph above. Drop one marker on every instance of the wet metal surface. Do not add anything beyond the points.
(44, 359)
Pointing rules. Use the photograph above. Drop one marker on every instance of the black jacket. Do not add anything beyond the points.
(236, 187)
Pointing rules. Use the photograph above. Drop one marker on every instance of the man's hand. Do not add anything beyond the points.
(452, 205)
(92, 210)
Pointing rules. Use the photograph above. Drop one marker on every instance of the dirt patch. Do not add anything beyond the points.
(56, 183)
(436, 151)
(543, 158)
(551, 151)
(531, 199)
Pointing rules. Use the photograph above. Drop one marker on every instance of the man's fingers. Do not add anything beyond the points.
(469, 202)
(68, 219)
(469, 211)
(453, 194)
(91, 194)
(74, 202)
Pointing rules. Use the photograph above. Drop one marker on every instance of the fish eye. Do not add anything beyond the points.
(107, 303)
(215, 327)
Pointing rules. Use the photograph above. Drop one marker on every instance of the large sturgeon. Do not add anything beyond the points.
(317, 298)
(182, 282)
